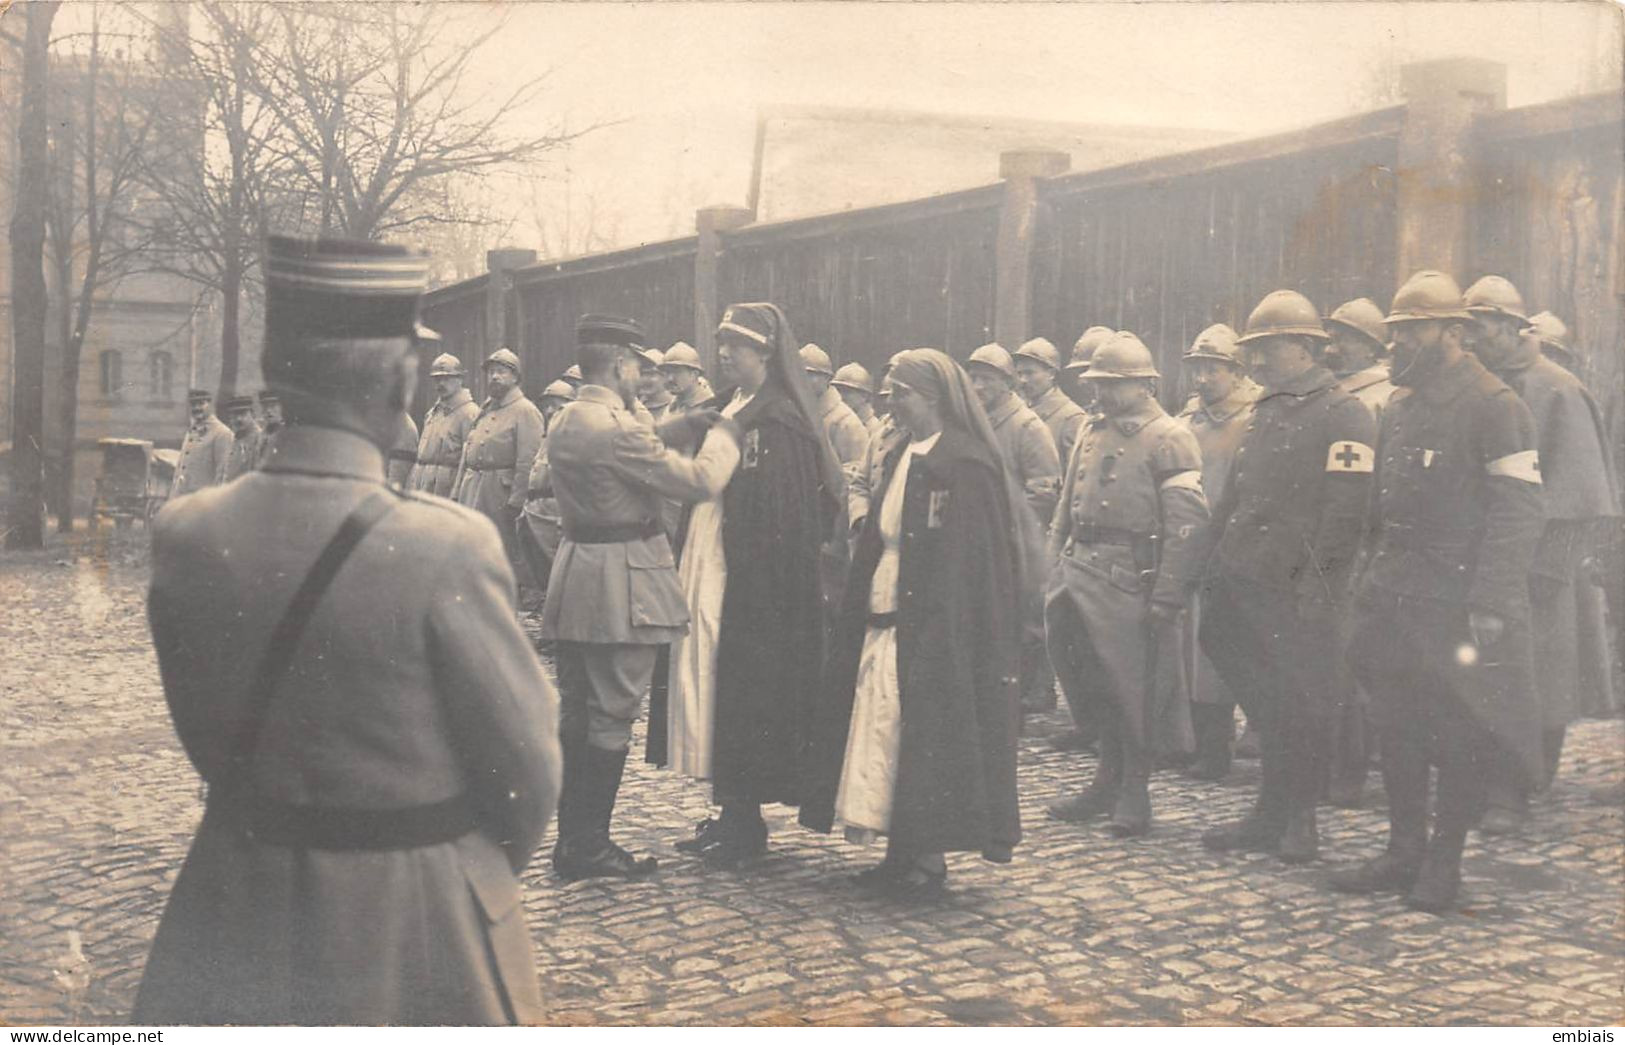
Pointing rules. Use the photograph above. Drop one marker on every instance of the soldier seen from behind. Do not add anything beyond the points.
(345, 671)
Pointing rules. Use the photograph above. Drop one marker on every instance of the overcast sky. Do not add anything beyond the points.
(689, 77)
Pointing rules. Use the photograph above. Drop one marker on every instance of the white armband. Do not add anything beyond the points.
(1523, 465)
(1348, 456)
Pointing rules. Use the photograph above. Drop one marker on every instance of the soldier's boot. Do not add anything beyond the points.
(1131, 815)
(568, 824)
(595, 855)
(1405, 779)
(1215, 729)
(1508, 810)
(1101, 795)
(1260, 830)
(1300, 841)
(1462, 796)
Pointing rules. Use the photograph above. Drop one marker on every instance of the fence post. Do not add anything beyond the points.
(1018, 215)
(710, 223)
(1436, 184)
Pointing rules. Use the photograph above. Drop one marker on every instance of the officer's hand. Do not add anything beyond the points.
(1487, 628)
(1161, 614)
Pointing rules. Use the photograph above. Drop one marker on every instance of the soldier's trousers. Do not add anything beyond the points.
(601, 687)
(1422, 721)
(1279, 666)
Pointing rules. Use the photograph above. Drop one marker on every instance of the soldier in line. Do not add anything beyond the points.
(685, 377)
(345, 670)
(1072, 382)
(246, 437)
(870, 473)
(270, 424)
(499, 450)
(1578, 496)
(846, 434)
(857, 390)
(1358, 354)
(206, 450)
(1038, 368)
(1031, 461)
(445, 429)
(613, 597)
(1442, 641)
(1285, 538)
(653, 391)
(1123, 539)
(1218, 415)
(572, 376)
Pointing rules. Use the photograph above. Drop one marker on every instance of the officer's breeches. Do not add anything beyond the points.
(1280, 668)
(601, 687)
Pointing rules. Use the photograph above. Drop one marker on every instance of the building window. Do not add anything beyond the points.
(162, 373)
(112, 374)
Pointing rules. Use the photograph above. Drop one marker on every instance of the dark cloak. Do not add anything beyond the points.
(958, 637)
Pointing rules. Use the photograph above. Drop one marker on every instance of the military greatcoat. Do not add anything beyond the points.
(1578, 495)
(1064, 419)
(440, 448)
(412, 685)
(498, 454)
(205, 456)
(1456, 519)
(1126, 534)
(1029, 453)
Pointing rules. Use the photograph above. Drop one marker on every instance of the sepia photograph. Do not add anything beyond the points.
(825, 514)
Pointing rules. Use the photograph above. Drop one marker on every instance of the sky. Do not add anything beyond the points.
(682, 82)
(687, 78)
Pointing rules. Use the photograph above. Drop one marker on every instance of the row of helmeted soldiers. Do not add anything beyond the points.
(1241, 552)
(383, 750)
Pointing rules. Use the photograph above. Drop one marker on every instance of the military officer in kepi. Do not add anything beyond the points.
(345, 671)
(1218, 415)
(1577, 493)
(245, 437)
(1442, 643)
(1123, 539)
(206, 450)
(1285, 536)
(613, 597)
(445, 429)
(499, 451)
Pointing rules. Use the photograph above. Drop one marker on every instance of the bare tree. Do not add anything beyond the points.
(373, 104)
(95, 160)
(25, 515)
(213, 169)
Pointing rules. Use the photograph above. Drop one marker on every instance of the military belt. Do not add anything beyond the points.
(1090, 533)
(883, 620)
(345, 829)
(614, 533)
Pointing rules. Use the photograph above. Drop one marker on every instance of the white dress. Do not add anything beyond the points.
(863, 801)
(703, 576)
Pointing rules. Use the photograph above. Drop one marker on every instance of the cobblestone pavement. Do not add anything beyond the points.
(97, 805)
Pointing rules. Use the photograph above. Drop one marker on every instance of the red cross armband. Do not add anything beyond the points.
(1350, 457)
